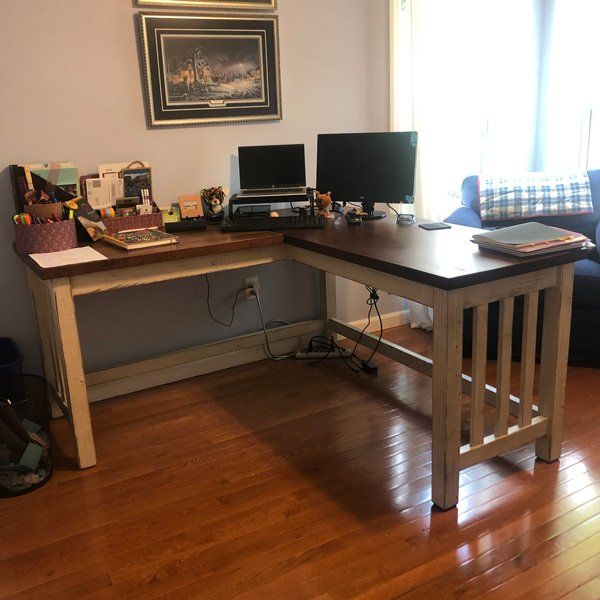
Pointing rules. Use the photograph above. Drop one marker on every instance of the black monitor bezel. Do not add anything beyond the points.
(282, 147)
(412, 138)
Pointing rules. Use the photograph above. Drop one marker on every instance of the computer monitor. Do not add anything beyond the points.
(368, 168)
(264, 167)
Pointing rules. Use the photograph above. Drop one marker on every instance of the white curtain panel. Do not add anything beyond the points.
(470, 94)
(469, 88)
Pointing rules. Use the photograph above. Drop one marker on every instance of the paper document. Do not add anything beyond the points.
(525, 233)
(74, 256)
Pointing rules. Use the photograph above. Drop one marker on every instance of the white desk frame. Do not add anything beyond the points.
(63, 365)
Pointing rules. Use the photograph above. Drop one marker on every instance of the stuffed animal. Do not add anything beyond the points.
(213, 199)
(324, 203)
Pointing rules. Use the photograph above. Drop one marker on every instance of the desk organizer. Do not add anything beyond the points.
(47, 237)
(116, 224)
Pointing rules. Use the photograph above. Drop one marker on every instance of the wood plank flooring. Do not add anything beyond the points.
(279, 480)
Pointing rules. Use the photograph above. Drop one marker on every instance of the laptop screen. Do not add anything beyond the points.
(272, 166)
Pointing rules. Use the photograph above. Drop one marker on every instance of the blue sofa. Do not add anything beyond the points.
(585, 330)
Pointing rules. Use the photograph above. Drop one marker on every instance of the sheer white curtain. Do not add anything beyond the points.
(569, 131)
(464, 75)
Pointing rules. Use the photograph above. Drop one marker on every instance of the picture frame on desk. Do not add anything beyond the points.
(216, 4)
(202, 69)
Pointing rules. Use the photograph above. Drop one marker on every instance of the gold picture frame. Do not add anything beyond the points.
(216, 4)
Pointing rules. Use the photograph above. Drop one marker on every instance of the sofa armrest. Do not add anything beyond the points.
(597, 242)
(464, 216)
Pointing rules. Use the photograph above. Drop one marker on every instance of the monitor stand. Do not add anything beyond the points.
(372, 214)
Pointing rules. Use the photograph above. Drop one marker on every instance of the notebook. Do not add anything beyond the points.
(140, 238)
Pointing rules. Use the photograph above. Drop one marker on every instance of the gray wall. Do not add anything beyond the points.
(70, 90)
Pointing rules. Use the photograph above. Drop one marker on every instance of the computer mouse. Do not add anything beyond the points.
(354, 219)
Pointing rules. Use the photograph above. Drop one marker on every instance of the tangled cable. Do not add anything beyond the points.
(354, 363)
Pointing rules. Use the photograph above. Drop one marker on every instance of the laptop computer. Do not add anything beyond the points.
(272, 171)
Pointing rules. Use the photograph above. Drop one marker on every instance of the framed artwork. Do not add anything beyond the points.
(210, 68)
(234, 4)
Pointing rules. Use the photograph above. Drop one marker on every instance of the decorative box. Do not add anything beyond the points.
(116, 224)
(47, 237)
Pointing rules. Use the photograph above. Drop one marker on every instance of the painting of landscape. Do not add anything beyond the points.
(212, 69)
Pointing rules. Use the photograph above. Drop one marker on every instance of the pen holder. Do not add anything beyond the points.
(44, 211)
(47, 237)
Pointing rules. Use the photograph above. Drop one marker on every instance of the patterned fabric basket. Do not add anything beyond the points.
(47, 237)
(116, 224)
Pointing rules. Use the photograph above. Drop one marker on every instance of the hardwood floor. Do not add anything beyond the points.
(279, 480)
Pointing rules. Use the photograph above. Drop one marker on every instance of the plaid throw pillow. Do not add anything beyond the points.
(534, 195)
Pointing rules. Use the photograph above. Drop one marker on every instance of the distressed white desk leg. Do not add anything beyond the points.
(328, 301)
(74, 377)
(555, 355)
(446, 398)
(40, 305)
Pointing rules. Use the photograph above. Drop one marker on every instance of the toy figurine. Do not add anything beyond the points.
(324, 203)
(213, 199)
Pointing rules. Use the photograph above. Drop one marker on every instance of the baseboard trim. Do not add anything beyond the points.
(394, 319)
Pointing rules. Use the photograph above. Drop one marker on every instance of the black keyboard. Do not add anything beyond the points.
(273, 223)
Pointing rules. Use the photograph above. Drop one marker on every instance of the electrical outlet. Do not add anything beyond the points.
(251, 281)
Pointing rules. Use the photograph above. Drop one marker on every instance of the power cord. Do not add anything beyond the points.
(267, 348)
(253, 292)
(319, 342)
(354, 363)
(391, 207)
(210, 312)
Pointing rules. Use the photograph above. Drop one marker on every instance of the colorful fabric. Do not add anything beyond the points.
(534, 195)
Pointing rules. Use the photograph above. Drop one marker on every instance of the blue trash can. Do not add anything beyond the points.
(11, 359)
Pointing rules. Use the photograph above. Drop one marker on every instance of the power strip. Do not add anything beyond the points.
(304, 355)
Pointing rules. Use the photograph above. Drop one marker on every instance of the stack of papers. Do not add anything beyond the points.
(530, 239)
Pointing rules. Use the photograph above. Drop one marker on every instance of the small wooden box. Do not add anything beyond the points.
(47, 237)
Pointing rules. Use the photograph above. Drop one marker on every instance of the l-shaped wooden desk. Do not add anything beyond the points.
(440, 269)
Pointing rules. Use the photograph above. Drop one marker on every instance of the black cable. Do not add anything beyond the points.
(329, 346)
(294, 209)
(374, 305)
(354, 363)
(390, 206)
(237, 296)
(372, 302)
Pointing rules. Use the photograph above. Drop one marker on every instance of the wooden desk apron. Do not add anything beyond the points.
(441, 269)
